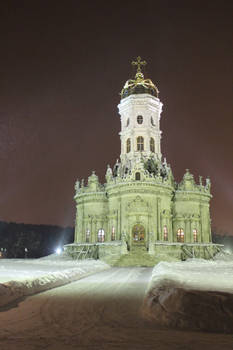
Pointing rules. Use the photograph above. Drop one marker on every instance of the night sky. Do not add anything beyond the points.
(62, 66)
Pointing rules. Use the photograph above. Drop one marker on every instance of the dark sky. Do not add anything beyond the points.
(62, 66)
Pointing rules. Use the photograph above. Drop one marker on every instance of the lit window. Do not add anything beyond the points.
(101, 235)
(152, 144)
(165, 233)
(140, 143)
(88, 235)
(140, 119)
(180, 235)
(127, 123)
(113, 237)
(152, 121)
(195, 235)
(137, 177)
(128, 146)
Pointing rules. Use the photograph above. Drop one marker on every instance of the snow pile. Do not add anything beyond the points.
(196, 294)
(26, 277)
(224, 255)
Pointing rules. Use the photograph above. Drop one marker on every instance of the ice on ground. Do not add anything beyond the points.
(22, 277)
(195, 294)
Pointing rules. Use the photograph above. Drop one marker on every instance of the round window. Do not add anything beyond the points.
(140, 119)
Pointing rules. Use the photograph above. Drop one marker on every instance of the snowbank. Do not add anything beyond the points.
(37, 275)
(196, 294)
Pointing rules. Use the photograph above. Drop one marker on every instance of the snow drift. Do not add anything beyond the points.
(196, 295)
(45, 273)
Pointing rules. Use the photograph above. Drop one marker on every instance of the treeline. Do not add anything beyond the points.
(32, 241)
(223, 238)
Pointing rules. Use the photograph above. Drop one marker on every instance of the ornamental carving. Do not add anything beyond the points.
(138, 205)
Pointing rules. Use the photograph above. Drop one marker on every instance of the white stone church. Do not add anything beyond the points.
(140, 215)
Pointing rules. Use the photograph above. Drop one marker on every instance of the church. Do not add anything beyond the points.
(140, 215)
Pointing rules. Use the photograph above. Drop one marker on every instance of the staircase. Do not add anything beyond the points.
(137, 256)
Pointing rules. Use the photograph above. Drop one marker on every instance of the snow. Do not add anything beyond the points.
(196, 274)
(192, 295)
(195, 294)
(22, 277)
(99, 312)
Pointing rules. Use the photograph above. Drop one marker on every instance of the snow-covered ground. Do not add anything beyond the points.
(120, 306)
(22, 277)
(99, 312)
(196, 294)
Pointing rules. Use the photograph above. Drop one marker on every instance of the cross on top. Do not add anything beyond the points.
(138, 63)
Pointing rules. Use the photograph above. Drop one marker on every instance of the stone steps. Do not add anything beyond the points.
(137, 256)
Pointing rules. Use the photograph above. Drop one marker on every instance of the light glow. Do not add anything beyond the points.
(58, 251)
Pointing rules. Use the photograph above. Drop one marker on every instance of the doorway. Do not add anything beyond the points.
(138, 234)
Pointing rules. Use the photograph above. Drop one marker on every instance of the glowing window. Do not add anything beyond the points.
(152, 144)
(87, 235)
(101, 235)
(140, 119)
(128, 146)
(127, 123)
(137, 177)
(113, 236)
(165, 233)
(180, 235)
(140, 143)
(152, 121)
(195, 235)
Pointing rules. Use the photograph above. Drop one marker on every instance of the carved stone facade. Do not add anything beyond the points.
(140, 204)
(158, 204)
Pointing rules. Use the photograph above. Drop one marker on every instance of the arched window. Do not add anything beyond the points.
(101, 235)
(128, 146)
(137, 177)
(140, 119)
(140, 143)
(127, 123)
(165, 233)
(195, 235)
(113, 236)
(152, 121)
(180, 235)
(88, 235)
(152, 145)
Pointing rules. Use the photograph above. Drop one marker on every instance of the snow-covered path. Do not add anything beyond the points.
(101, 311)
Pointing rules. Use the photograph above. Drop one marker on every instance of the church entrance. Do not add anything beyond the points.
(138, 234)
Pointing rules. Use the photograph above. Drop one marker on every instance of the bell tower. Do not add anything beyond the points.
(140, 110)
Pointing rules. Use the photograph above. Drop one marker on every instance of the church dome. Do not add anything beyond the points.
(139, 85)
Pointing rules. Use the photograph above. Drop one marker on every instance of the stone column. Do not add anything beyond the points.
(186, 230)
(84, 231)
(201, 226)
(91, 233)
(190, 231)
(151, 244)
(192, 224)
(95, 231)
(158, 219)
(197, 223)
(170, 230)
(118, 226)
(120, 219)
(110, 225)
(76, 236)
